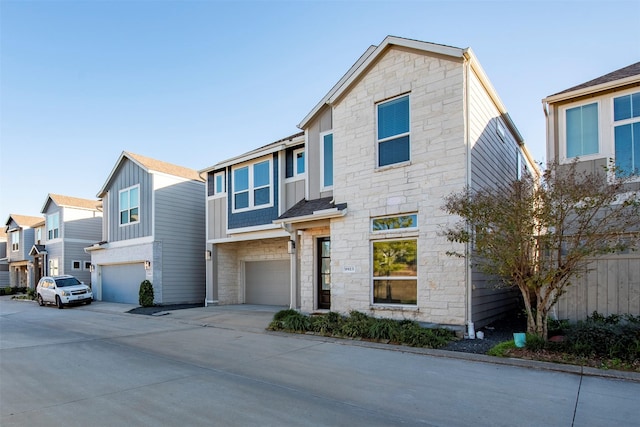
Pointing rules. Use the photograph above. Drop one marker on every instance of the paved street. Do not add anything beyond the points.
(96, 365)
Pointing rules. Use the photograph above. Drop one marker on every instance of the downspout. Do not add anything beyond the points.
(468, 273)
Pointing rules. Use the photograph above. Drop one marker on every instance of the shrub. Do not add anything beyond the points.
(145, 296)
(31, 293)
(327, 324)
(384, 329)
(356, 325)
(279, 316)
(8, 290)
(412, 334)
(500, 350)
(296, 322)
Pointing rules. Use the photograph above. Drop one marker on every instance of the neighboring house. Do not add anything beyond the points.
(410, 123)
(153, 218)
(598, 123)
(20, 231)
(71, 224)
(4, 261)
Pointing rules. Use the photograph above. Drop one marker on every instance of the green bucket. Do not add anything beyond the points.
(520, 339)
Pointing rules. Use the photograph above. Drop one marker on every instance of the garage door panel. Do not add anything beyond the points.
(267, 282)
(121, 283)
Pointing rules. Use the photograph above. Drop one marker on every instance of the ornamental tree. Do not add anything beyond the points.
(540, 235)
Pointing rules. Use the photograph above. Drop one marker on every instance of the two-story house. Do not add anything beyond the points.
(408, 124)
(153, 217)
(598, 123)
(21, 233)
(71, 224)
(4, 261)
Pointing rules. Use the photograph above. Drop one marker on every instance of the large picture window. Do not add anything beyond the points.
(53, 226)
(394, 272)
(581, 130)
(130, 205)
(626, 116)
(252, 186)
(393, 131)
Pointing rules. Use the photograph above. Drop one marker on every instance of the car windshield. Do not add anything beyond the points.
(67, 281)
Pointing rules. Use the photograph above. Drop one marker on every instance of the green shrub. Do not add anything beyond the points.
(7, 290)
(31, 293)
(412, 334)
(327, 324)
(296, 322)
(500, 350)
(384, 329)
(284, 313)
(145, 296)
(356, 325)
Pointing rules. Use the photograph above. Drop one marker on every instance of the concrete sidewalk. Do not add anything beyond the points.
(256, 319)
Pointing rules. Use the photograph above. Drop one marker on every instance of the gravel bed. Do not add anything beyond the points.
(495, 333)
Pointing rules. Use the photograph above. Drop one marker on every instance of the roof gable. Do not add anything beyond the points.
(150, 165)
(372, 54)
(70, 202)
(23, 221)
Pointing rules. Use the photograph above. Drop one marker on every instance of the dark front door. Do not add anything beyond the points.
(324, 273)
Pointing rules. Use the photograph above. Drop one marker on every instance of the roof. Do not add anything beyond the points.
(152, 165)
(309, 208)
(296, 138)
(371, 55)
(620, 77)
(72, 202)
(24, 220)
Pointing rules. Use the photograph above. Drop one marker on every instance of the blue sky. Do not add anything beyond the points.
(197, 82)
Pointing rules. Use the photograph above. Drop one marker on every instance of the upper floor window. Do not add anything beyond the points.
(38, 235)
(582, 130)
(394, 222)
(298, 161)
(626, 116)
(393, 131)
(130, 205)
(326, 155)
(252, 186)
(15, 241)
(53, 226)
(216, 183)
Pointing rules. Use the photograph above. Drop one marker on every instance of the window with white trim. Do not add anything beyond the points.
(326, 159)
(87, 265)
(626, 118)
(393, 131)
(15, 241)
(581, 130)
(53, 226)
(219, 184)
(53, 267)
(76, 265)
(298, 162)
(129, 207)
(252, 186)
(394, 260)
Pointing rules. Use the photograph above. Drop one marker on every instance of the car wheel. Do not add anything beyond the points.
(40, 300)
(58, 302)
(88, 302)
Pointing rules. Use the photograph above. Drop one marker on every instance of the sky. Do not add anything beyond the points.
(197, 82)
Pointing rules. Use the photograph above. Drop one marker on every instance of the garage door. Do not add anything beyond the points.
(121, 283)
(267, 282)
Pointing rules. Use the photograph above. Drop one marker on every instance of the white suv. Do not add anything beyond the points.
(63, 290)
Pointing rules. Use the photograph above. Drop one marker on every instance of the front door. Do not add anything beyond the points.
(324, 273)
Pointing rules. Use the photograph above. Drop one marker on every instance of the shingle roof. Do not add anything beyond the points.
(75, 202)
(168, 168)
(308, 207)
(622, 73)
(24, 220)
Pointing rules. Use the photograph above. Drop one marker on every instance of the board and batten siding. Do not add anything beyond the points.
(611, 285)
(217, 217)
(293, 193)
(180, 227)
(128, 175)
(494, 161)
(321, 124)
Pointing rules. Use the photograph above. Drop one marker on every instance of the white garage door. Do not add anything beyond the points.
(267, 282)
(121, 283)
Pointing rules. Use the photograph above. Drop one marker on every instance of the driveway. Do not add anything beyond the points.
(97, 365)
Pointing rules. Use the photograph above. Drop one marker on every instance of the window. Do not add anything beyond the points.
(394, 272)
(53, 226)
(87, 265)
(394, 222)
(38, 235)
(252, 186)
(393, 131)
(15, 241)
(326, 155)
(130, 205)
(298, 162)
(53, 267)
(626, 116)
(581, 130)
(76, 265)
(216, 183)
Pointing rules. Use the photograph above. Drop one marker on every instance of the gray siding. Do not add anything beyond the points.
(128, 175)
(293, 193)
(322, 123)
(494, 160)
(88, 229)
(217, 217)
(27, 236)
(56, 251)
(180, 226)
(74, 251)
(611, 285)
